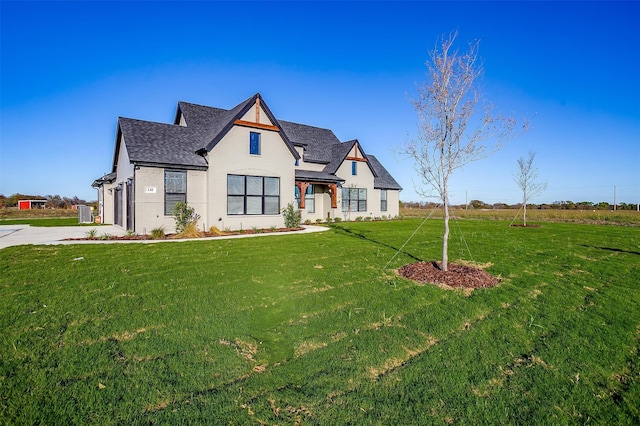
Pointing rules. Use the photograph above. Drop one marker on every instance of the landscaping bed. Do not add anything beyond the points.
(458, 276)
(199, 234)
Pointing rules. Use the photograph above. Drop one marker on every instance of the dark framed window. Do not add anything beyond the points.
(175, 189)
(253, 195)
(354, 168)
(254, 143)
(354, 199)
(383, 200)
(309, 199)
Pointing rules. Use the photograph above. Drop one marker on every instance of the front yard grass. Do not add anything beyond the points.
(46, 222)
(312, 329)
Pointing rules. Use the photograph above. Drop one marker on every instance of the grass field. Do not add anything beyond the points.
(312, 329)
(597, 217)
(46, 222)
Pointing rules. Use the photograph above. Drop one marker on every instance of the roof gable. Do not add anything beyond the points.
(239, 116)
(341, 153)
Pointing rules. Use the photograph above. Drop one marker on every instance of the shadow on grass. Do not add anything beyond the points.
(637, 253)
(351, 233)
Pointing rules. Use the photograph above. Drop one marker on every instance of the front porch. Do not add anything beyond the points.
(317, 200)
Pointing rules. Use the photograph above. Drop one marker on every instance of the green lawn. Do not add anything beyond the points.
(46, 222)
(311, 329)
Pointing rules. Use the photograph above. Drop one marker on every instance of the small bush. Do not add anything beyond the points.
(367, 219)
(158, 233)
(184, 216)
(215, 231)
(337, 219)
(292, 216)
(307, 222)
(358, 219)
(92, 233)
(318, 220)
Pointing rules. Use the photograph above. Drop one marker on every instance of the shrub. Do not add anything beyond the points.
(215, 231)
(190, 231)
(158, 233)
(358, 219)
(307, 222)
(184, 216)
(92, 233)
(292, 216)
(318, 220)
(337, 219)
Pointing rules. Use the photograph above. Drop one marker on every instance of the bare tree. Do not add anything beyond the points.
(527, 180)
(454, 123)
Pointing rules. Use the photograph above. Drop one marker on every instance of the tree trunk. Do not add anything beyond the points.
(445, 236)
(524, 215)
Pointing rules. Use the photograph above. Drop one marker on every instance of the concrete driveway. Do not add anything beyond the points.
(16, 235)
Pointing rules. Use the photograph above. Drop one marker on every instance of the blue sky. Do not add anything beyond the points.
(69, 69)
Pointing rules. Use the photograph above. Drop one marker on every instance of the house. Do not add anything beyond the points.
(238, 169)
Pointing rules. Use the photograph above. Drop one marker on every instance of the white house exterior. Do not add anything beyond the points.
(238, 169)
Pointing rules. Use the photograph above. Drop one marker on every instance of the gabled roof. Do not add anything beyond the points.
(382, 179)
(228, 120)
(339, 154)
(150, 143)
(176, 145)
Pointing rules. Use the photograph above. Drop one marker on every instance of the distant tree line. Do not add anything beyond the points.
(556, 205)
(52, 201)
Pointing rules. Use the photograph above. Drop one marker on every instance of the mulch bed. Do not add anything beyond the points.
(458, 276)
(136, 237)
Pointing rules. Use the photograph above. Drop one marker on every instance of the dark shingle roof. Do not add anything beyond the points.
(315, 176)
(383, 179)
(108, 178)
(318, 143)
(161, 144)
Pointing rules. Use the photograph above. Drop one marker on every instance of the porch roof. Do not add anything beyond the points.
(315, 176)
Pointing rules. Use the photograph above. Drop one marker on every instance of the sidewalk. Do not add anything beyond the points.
(16, 235)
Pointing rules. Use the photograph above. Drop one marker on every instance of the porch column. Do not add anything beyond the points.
(302, 187)
(333, 189)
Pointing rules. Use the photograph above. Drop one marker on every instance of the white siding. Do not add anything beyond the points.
(231, 156)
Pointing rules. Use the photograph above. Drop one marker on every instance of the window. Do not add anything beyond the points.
(354, 199)
(175, 189)
(354, 168)
(309, 199)
(383, 200)
(254, 143)
(253, 195)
